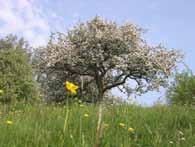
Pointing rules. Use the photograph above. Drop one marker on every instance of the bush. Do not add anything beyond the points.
(182, 90)
(16, 75)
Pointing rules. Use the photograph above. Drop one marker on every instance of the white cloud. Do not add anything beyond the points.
(23, 18)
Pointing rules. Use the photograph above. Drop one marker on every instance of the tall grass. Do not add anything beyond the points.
(75, 126)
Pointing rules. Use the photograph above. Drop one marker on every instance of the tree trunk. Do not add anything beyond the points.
(100, 86)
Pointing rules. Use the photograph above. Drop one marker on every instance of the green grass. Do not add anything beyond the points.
(57, 126)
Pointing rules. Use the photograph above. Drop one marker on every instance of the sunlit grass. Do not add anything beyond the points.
(75, 126)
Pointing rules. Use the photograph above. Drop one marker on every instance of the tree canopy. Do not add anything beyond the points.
(16, 75)
(110, 55)
(181, 91)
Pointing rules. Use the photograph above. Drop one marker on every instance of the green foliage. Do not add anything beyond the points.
(16, 76)
(56, 126)
(182, 90)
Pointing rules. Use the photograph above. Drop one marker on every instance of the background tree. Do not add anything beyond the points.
(16, 76)
(182, 89)
(110, 55)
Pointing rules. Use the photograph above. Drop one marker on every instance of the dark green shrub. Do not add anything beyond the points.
(182, 90)
(16, 76)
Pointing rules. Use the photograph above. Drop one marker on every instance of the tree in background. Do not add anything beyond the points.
(16, 76)
(110, 55)
(182, 89)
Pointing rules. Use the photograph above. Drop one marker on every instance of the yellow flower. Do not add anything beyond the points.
(171, 142)
(86, 115)
(1, 91)
(122, 125)
(71, 136)
(131, 130)
(9, 122)
(81, 105)
(71, 87)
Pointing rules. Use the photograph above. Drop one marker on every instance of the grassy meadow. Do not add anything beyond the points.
(44, 125)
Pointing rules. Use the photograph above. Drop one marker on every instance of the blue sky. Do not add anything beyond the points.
(170, 22)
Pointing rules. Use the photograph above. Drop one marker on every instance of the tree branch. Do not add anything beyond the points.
(117, 83)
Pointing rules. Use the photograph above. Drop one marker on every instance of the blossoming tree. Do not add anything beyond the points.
(111, 55)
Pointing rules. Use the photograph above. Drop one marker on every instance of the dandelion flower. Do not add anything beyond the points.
(9, 122)
(81, 105)
(1, 91)
(131, 130)
(71, 136)
(122, 125)
(86, 115)
(171, 142)
(71, 87)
